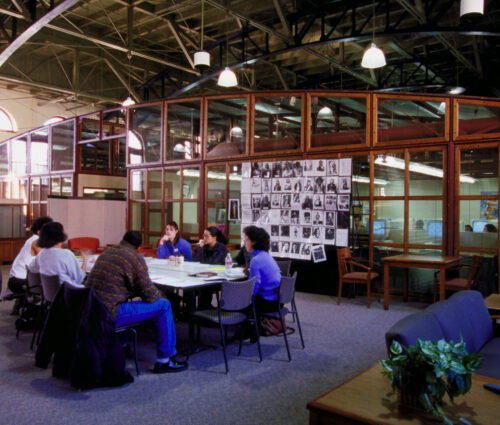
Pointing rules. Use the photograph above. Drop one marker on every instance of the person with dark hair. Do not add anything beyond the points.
(171, 244)
(264, 268)
(119, 274)
(212, 248)
(243, 258)
(54, 259)
(17, 276)
(490, 228)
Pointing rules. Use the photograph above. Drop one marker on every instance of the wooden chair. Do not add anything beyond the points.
(84, 243)
(459, 283)
(348, 274)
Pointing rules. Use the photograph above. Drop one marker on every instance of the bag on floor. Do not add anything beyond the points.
(27, 317)
(272, 326)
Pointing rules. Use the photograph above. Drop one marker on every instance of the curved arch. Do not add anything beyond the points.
(7, 121)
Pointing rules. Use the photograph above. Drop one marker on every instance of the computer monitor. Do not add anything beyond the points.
(379, 227)
(478, 225)
(435, 229)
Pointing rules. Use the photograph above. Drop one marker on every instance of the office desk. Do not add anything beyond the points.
(438, 262)
(368, 399)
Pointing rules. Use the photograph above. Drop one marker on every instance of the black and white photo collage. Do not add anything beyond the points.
(300, 203)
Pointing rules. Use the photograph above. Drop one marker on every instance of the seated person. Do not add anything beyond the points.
(212, 248)
(54, 259)
(264, 268)
(490, 228)
(120, 273)
(243, 258)
(17, 276)
(171, 244)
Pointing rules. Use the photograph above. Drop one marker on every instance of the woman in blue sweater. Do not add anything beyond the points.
(264, 268)
(171, 244)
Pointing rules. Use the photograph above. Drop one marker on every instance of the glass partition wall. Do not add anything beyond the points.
(425, 168)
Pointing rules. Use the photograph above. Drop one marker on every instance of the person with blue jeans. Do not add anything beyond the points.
(119, 274)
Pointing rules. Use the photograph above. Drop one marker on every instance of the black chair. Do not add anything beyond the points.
(287, 296)
(50, 287)
(131, 330)
(284, 266)
(235, 300)
(32, 298)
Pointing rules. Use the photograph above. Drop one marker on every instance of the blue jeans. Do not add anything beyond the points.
(161, 312)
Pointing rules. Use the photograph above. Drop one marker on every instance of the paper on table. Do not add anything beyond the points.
(165, 280)
(219, 268)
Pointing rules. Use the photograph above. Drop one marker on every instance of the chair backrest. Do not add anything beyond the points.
(237, 295)
(34, 283)
(474, 271)
(84, 243)
(284, 266)
(287, 288)
(50, 286)
(343, 254)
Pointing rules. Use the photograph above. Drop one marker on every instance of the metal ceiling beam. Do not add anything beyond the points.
(34, 28)
(420, 17)
(173, 29)
(56, 89)
(103, 43)
(290, 40)
(284, 22)
(118, 75)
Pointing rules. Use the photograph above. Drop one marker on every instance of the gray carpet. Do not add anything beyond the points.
(341, 341)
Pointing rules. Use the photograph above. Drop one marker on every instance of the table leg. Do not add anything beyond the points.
(442, 279)
(386, 286)
(405, 284)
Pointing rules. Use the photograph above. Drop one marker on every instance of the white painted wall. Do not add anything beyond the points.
(99, 218)
(30, 112)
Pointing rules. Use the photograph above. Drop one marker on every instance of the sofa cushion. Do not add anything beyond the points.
(475, 310)
(491, 359)
(412, 327)
(454, 323)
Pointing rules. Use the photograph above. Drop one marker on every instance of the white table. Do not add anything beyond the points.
(165, 273)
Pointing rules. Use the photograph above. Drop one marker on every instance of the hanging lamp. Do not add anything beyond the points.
(373, 57)
(202, 57)
(471, 7)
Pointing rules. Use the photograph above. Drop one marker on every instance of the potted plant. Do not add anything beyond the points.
(424, 373)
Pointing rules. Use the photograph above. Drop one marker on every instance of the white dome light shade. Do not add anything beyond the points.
(202, 58)
(227, 78)
(128, 101)
(373, 57)
(471, 6)
(325, 112)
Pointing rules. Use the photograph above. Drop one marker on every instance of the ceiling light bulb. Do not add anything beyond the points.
(471, 6)
(227, 78)
(325, 112)
(373, 57)
(456, 90)
(128, 101)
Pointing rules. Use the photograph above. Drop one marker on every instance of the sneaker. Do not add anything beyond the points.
(170, 367)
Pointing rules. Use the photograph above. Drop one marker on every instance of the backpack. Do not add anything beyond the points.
(272, 326)
(27, 317)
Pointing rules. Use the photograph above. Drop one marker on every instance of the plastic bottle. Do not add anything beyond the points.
(229, 262)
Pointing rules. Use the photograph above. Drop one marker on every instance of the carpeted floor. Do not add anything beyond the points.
(341, 341)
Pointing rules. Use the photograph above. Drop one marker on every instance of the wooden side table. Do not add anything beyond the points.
(493, 303)
(368, 399)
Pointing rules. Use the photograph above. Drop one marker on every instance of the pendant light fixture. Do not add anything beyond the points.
(471, 7)
(373, 57)
(227, 77)
(128, 101)
(202, 57)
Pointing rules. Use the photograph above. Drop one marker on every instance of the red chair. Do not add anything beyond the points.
(89, 243)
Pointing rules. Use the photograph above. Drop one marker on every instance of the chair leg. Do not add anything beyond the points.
(298, 323)
(223, 341)
(37, 332)
(135, 351)
(286, 338)
(242, 329)
(340, 291)
(256, 324)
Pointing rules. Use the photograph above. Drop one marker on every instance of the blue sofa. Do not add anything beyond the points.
(462, 315)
